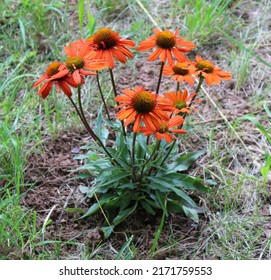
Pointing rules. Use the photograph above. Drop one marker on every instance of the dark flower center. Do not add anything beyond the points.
(105, 38)
(165, 40)
(52, 69)
(143, 102)
(206, 66)
(74, 62)
(180, 69)
(163, 128)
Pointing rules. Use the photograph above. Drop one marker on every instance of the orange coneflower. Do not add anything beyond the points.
(180, 71)
(109, 45)
(166, 43)
(81, 58)
(54, 75)
(212, 74)
(163, 129)
(179, 101)
(141, 105)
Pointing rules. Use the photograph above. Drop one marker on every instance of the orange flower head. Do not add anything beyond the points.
(56, 73)
(165, 39)
(179, 101)
(144, 102)
(52, 69)
(205, 66)
(167, 44)
(81, 59)
(74, 62)
(165, 129)
(180, 71)
(212, 74)
(140, 105)
(105, 39)
(109, 45)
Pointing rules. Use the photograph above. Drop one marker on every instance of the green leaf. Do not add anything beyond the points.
(211, 182)
(91, 23)
(88, 191)
(22, 29)
(100, 129)
(187, 182)
(267, 110)
(160, 183)
(183, 195)
(123, 214)
(257, 123)
(265, 169)
(124, 248)
(191, 213)
(114, 179)
(91, 210)
(147, 207)
(81, 13)
(158, 233)
(128, 186)
(107, 231)
(184, 162)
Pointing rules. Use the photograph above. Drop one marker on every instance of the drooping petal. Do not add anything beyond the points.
(59, 75)
(76, 76)
(40, 80)
(45, 89)
(66, 89)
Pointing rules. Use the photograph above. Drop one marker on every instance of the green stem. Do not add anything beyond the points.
(101, 93)
(201, 79)
(168, 152)
(178, 87)
(160, 77)
(155, 149)
(113, 82)
(89, 129)
(115, 93)
(133, 154)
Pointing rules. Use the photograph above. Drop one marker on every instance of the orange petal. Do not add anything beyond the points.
(175, 121)
(137, 123)
(124, 113)
(66, 89)
(45, 89)
(76, 76)
(154, 55)
(40, 80)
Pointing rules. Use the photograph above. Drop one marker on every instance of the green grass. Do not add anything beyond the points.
(33, 35)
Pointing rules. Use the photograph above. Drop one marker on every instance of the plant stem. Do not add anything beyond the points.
(178, 87)
(160, 77)
(115, 93)
(201, 79)
(155, 149)
(113, 82)
(133, 154)
(89, 129)
(168, 152)
(101, 93)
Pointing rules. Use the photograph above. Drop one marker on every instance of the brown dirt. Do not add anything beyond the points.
(53, 190)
